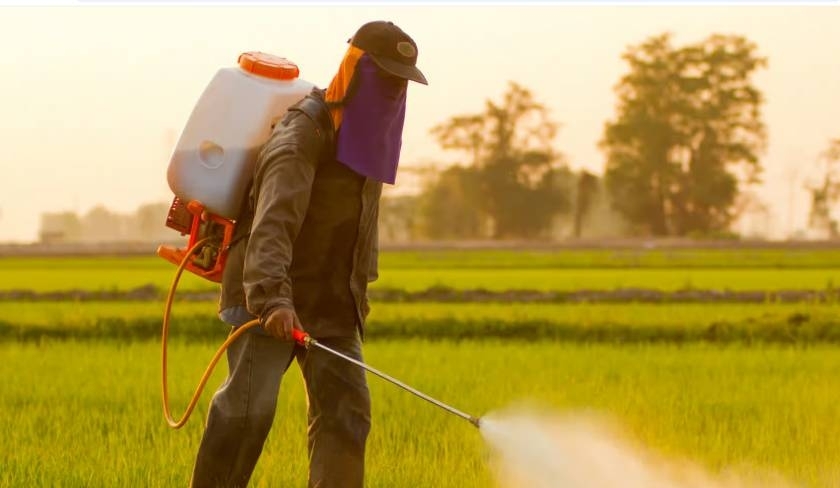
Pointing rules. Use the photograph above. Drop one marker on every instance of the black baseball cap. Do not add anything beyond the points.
(390, 48)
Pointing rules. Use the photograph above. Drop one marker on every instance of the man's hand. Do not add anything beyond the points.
(280, 323)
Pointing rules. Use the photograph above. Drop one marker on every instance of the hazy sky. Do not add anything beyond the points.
(92, 98)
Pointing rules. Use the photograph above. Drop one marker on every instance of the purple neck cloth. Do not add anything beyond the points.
(370, 136)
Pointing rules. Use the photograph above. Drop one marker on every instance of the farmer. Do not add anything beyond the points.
(311, 251)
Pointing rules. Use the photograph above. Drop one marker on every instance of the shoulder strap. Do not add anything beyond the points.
(316, 109)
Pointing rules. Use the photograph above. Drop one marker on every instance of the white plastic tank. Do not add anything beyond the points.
(214, 159)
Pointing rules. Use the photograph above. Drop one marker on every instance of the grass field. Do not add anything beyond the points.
(83, 314)
(88, 414)
(610, 278)
(129, 276)
(570, 269)
(772, 322)
(793, 257)
(732, 386)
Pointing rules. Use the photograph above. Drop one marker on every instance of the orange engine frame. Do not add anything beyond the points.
(208, 260)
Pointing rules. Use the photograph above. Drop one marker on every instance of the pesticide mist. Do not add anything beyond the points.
(538, 450)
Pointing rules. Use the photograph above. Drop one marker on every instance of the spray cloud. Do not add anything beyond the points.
(532, 449)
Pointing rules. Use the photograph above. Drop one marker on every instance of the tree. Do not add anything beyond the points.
(60, 227)
(687, 134)
(101, 225)
(515, 178)
(827, 193)
(448, 205)
(587, 187)
(397, 217)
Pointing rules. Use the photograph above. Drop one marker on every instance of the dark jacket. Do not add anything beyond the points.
(313, 229)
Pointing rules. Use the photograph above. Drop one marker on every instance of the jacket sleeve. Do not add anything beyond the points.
(285, 171)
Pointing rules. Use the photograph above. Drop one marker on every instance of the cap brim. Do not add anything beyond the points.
(405, 71)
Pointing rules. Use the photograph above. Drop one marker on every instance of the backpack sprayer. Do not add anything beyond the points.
(212, 164)
(209, 174)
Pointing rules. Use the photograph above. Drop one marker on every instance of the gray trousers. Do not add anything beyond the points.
(242, 411)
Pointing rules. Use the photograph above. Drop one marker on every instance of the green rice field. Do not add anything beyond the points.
(763, 269)
(88, 414)
(563, 279)
(596, 322)
(732, 387)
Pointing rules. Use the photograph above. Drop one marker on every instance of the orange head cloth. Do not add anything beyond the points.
(341, 82)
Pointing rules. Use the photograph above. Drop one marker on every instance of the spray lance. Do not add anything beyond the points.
(209, 173)
(308, 342)
(299, 336)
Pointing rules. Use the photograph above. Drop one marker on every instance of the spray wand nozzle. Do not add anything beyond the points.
(308, 342)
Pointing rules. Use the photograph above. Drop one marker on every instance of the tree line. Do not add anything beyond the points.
(685, 141)
(680, 153)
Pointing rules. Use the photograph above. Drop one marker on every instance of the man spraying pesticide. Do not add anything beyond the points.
(293, 253)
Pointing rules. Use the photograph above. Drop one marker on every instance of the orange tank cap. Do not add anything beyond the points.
(268, 65)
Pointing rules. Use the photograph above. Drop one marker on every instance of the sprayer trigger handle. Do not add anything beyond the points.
(300, 337)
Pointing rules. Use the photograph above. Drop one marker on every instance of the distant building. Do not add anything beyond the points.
(100, 225)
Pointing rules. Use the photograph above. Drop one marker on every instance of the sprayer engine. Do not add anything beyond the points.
(208, 260)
